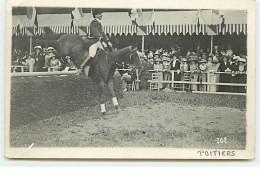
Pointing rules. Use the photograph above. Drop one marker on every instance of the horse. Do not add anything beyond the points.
(102, 67)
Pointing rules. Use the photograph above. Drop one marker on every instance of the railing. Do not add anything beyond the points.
(172, 81)
(19, 66)
(31, 74)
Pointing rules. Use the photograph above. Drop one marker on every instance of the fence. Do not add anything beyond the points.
(208, 84)
(33, 74)
(172, 81)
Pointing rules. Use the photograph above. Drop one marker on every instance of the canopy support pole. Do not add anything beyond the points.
(30, 44)
(142, 43)
(211, 44)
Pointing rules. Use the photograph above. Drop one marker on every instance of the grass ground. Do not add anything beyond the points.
(145, 119)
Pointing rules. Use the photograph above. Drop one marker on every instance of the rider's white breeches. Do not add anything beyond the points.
(93, 49)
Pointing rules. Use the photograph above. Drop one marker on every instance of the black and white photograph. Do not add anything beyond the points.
(130, 81)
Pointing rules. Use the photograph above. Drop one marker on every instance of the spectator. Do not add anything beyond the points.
(150, 67)
(224, 66)
(184, 67)
(166, 69)
(30, 63)
(194, 70)
(143, 74)
(158, 69)
(69, 64)
(203, 75)
(241, 77)
(54, 63)
(210, 58)
(128, 77)
(212, 75)
(234, 71)
(39, 59)
(175, 65)
(48, 56)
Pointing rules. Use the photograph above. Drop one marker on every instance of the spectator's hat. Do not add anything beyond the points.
(183, 59)
(242, 60)
(165, 55)
(37, 47)
(157, 52)
(50, 48)
(203, 61)
(193, 57)
(67, 57)
(150, 55)
(166, 59)
(236, 58)
(96, 11)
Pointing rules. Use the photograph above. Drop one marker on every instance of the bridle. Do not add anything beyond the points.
(130, 56)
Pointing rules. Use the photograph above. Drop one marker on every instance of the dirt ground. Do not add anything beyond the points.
(145, 119)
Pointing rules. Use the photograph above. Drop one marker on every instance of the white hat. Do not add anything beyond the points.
(50, 48)
(236, 57)
(38, 47)
(157, 52)
(242, 60)
(165, 54)
(150, 55)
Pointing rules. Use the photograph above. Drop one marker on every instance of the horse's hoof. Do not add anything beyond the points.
(104, 113)
(116, 106)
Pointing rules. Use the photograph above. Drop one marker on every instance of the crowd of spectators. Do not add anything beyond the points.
(40, 60)
(200, 67)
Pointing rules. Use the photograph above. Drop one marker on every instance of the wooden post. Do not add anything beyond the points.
(172, 80)
(137, 79)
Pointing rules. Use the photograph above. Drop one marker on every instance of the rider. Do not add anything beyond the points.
(98, 34)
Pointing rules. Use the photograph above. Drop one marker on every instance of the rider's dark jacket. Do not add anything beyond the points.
(97, 32)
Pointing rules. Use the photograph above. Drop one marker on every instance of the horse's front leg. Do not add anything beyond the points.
(101, 96)
(111, 90)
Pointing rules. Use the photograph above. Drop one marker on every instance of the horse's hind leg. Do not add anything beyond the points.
(101, 96)
(111, 90)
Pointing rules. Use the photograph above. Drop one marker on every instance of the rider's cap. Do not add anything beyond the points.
(96, 11)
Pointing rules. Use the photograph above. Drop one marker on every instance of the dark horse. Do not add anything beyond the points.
(102, 67)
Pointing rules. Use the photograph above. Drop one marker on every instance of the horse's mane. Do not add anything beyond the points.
(120, 52)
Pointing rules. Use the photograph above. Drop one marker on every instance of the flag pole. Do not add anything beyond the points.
(142, 43)
(211, 41)
(211, 44)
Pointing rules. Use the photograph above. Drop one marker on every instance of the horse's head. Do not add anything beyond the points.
(127, 54)
(134, 58)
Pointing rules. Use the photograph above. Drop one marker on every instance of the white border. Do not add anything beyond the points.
(137, 153)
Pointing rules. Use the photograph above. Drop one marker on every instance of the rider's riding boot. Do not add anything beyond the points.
(84, 63)
(86, 69)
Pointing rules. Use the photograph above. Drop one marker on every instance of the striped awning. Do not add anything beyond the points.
(131, 29)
